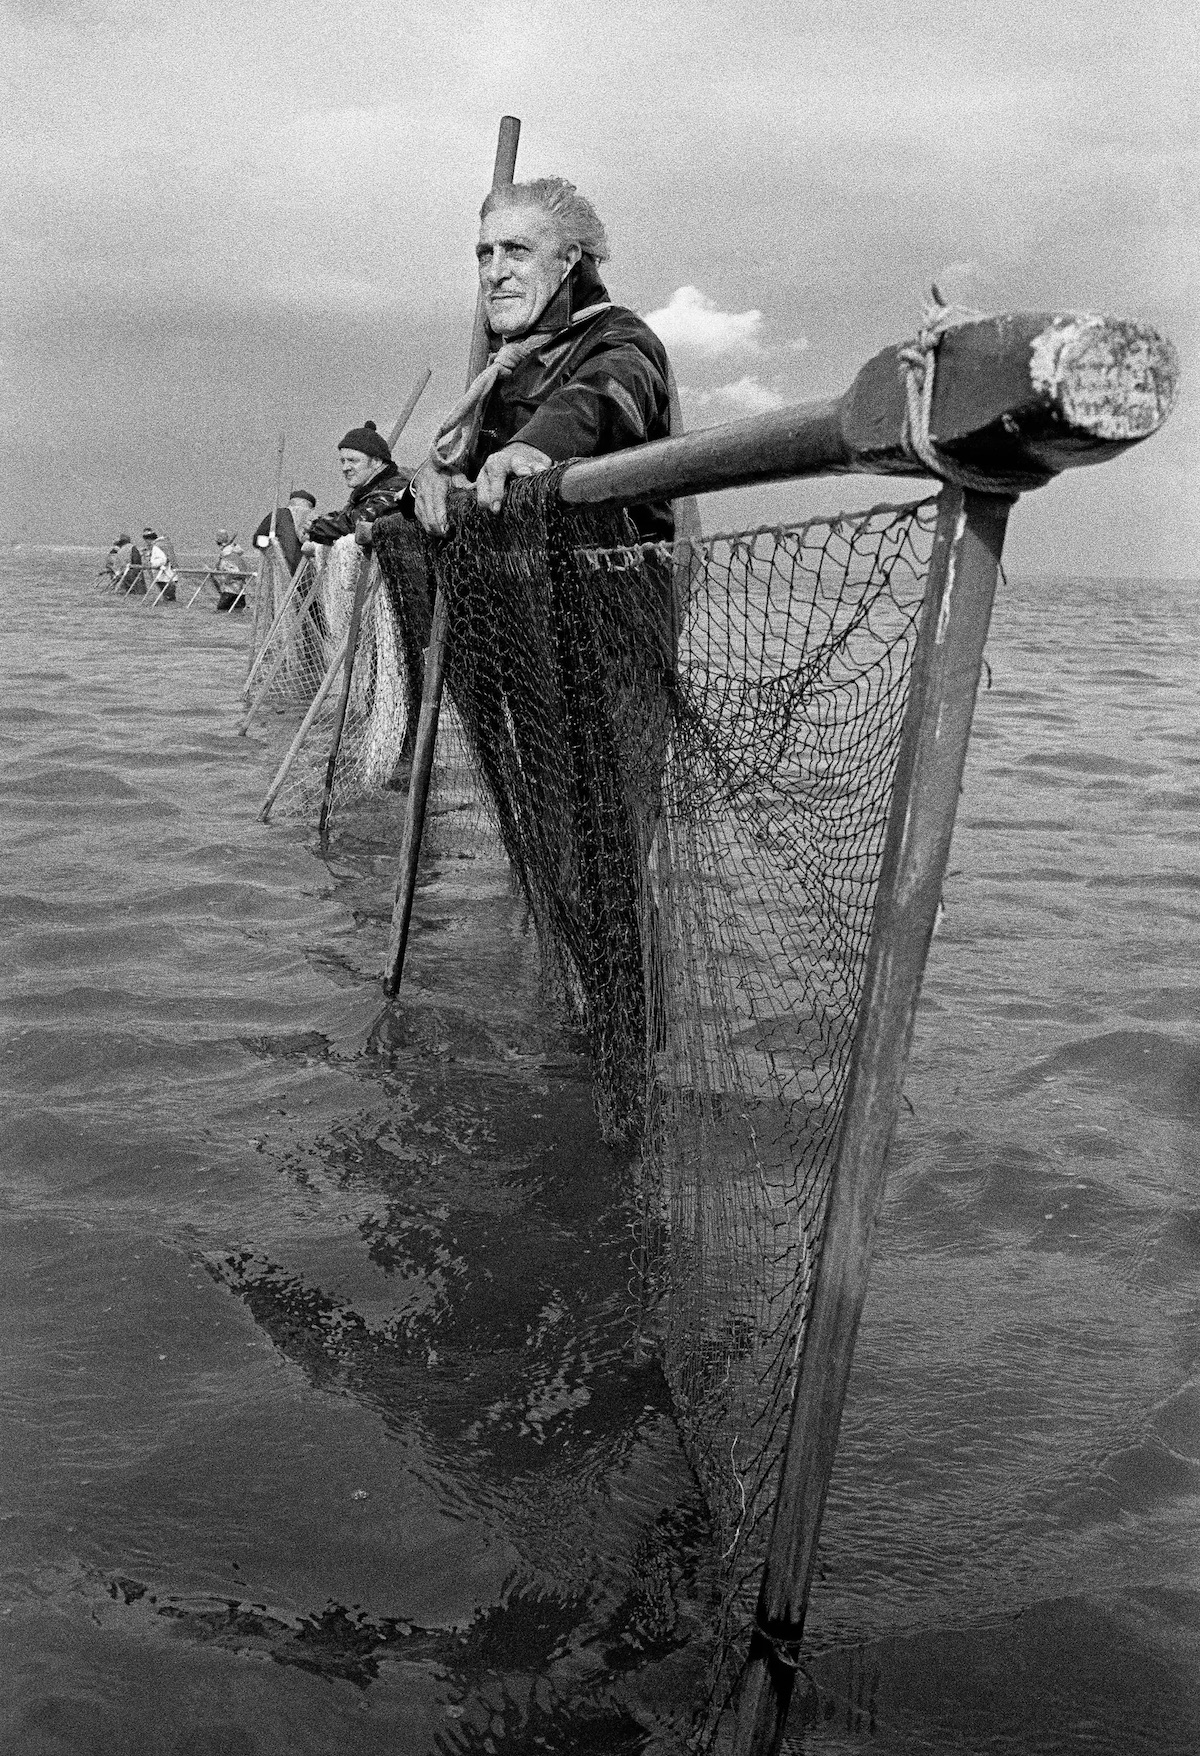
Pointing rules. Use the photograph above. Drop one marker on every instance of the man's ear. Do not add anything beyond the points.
(571, 256)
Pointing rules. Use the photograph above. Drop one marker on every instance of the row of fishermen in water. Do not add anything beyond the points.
(570, 374)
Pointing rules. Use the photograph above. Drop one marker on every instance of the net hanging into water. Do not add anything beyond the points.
(303, 642)
(688, 752)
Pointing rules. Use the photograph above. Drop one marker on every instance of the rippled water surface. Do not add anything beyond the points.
(321, 1429)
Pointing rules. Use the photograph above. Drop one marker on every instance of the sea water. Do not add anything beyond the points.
(321, 1424)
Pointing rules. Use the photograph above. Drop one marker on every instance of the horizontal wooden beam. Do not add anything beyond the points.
(1015, 397)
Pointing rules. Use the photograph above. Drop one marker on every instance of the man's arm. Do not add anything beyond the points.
(615, 400)
(329, 526)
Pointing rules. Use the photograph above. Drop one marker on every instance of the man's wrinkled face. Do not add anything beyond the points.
(521, 266)
(302, 513)
(357, 467)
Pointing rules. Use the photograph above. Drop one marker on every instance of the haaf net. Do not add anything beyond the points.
(375, 745)
(689, 752)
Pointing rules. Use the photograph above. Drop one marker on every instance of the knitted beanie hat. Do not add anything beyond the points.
(303, 493)
(367, 440)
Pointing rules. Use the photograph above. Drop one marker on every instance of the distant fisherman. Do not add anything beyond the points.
(164, 567)
(126, 564)
(373, 478)
(231, 560)
(571, 374)
(291, 525)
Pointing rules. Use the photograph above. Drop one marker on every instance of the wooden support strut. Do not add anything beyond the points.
(283, 651)
(435, 658)
(306, 724)
(937, 727)
(1025, 395)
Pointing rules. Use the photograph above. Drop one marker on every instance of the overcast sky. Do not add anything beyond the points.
(224, 220)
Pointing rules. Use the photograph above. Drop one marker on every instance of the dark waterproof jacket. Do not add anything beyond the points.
(126, 556)
(595, 385)
(285, 531)
(375, 498)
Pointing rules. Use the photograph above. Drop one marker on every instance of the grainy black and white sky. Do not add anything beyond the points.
(225, 219)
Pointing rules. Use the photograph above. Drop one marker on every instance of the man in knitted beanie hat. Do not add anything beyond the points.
(374, 481)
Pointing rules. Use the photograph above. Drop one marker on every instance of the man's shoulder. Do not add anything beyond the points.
(619, 325)
(614, 329)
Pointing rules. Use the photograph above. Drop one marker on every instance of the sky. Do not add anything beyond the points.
(223, 221)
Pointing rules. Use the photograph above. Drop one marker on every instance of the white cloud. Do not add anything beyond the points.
(748, 396)
(690, 319)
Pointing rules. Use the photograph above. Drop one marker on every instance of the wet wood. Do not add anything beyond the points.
(405, 415)
(1026, 395)
(937, 728)
(365, 568)
(418, 798)
(435, 658)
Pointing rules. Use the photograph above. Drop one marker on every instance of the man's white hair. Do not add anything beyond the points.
(576, 218)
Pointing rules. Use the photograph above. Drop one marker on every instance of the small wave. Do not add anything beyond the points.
(1163, 1072)
(1087, 762)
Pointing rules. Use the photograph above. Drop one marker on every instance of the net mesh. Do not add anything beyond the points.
(299, 659)
(688, 752)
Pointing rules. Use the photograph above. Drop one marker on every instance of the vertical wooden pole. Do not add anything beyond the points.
(255, 649)
(256, 622)
(272, 557)
(435, 658)
(937, 727)
(306, 724)
(413, 398)
(365, 564)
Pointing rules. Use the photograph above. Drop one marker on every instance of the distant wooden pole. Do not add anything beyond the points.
(411, 401)
(360, 586)
(163, 588)
(204, 581)
(282, 652)
(255, 649)
(274, 554)
(356, 609)
(278, 483)
(435, 658)
(315, 706)
(937, 727)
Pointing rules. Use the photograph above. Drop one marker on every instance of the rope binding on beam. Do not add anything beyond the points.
(919, 361)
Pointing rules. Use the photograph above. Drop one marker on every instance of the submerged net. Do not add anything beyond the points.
(689, 754)
(301, 657)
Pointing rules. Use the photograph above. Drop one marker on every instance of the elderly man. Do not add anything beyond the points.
(291, 524)
(570, 375)
(374, 480)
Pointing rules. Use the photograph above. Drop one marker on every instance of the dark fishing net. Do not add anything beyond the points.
(689, 752)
